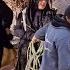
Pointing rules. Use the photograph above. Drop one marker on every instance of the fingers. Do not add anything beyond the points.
(34, 39)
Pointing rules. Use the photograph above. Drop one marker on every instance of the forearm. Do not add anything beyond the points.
(40, 34)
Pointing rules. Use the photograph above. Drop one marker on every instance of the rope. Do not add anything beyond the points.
(33, 62)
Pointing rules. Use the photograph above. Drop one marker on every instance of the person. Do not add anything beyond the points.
(6, 16)
(43, 14)
(57, 41)
(28, 24)
(23, 30)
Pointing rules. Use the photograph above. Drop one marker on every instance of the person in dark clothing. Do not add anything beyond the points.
(57, 41)
(29, 21)
(43, 14)
(6, 16)
(24, 32)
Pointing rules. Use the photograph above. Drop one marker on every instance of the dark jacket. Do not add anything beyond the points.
(6, 16)
(25, 36)
(33, 23)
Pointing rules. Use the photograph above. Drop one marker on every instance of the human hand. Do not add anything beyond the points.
(34, 39)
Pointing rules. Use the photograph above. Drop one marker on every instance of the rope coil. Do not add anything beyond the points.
(33, 62)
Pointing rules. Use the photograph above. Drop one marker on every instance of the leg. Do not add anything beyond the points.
(23, 58)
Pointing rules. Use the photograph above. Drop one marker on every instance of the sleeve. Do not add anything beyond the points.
(8, 19)
(7, 16)
(63, 47)
(36, 22)
(19, 30)
(40, 34)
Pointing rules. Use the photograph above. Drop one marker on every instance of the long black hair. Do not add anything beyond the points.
(47, 8)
